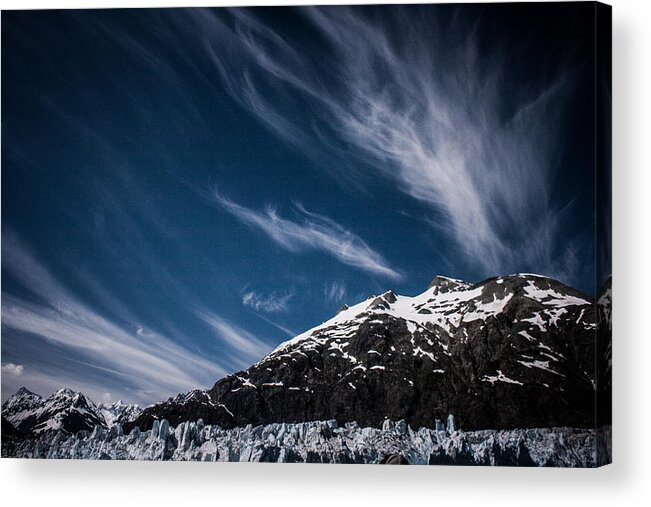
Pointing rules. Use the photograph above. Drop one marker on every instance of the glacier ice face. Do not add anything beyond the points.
(318, 442)
(450, 424)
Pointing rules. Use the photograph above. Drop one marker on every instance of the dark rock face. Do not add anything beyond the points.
(509, 352)
(9, 430)
(198, 403)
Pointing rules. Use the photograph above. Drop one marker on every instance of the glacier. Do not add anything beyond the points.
(318, 442)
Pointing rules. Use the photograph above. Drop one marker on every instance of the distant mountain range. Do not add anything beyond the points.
(67, 411)
(509, 352)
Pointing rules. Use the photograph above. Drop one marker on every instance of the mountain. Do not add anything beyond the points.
(118, 412)
(509, 352)
(20, 406)
(9, 430)
(192, 406)
(64, 410)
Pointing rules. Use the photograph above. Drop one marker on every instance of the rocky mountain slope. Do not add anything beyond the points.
(509, 352)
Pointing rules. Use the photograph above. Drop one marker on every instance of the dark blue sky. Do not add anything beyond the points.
(183, 189)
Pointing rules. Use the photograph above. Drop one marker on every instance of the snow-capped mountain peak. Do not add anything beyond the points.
(444, 284)
(447, 303)
(118, 412)
(510, 351)
(21, 405)
(64, 410)
(23, 391)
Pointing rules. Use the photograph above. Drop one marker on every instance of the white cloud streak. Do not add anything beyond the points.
(335, 291)
(313, 232)
(147, 360)
(270, 303)
(284, 329)
(248, 347)
(422, 110)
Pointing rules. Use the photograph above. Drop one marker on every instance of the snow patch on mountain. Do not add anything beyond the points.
(500, 377)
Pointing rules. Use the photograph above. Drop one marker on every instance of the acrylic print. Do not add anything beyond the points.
(369, 234)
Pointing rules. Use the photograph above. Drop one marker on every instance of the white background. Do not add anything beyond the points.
(626, 482)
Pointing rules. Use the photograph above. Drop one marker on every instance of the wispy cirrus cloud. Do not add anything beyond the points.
(248, 347)
(152, 364)
(284, 329)
(427, 110)
(270, 303)
(335, 291)
(311, 232)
